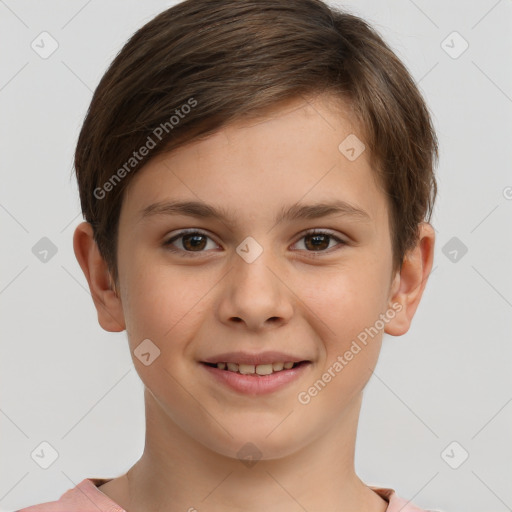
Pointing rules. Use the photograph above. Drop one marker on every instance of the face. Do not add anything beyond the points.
(258, 279)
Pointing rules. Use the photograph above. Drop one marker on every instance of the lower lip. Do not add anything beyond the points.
(257, 384)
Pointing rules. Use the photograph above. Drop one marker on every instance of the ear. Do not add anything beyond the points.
(108, 304)
(409, 283)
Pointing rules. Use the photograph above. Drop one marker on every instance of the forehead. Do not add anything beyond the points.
(294, 152)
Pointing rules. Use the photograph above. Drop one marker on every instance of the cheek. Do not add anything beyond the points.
(145, 297)
(161, 300)
(346, 307)
(347, 299)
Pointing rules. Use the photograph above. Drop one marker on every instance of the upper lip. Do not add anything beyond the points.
(255, 359)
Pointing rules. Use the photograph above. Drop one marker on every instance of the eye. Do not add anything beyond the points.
(319, 241)
(191, 241)
(194, 241)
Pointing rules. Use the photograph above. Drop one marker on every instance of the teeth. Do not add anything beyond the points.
(246, 368)
(264, 369)
(260, 369)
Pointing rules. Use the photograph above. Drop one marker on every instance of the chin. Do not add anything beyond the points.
(256, 445)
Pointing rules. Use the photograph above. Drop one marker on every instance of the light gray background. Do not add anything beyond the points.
(67, 382)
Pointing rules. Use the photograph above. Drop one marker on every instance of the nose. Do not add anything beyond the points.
(256, 295)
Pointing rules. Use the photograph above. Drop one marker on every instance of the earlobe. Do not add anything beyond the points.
(105, 297)
(409, 283)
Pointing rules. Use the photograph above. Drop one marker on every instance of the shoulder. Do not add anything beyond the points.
(84, 497)
(396, 503)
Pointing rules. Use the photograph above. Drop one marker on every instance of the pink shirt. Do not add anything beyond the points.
(86, 497)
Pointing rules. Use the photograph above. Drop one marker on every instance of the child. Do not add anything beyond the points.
(290, 139)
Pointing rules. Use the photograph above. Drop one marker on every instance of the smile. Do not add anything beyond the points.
(251, 369)
(256, 379)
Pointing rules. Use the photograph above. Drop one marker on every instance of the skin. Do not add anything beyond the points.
(293, 298)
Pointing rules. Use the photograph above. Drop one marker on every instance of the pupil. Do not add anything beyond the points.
(318, 241)
(196, 240)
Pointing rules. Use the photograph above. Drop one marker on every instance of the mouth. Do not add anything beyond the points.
(258, 373)
(257, 370)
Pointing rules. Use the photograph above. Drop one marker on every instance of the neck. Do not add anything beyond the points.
(177, 473)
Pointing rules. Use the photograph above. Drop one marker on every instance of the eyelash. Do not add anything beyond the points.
(168, 243)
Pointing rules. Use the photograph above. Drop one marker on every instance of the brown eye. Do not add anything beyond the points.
(188, 242)
(319, 241)
(194, 242)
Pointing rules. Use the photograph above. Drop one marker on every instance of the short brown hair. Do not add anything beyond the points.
(228, 59)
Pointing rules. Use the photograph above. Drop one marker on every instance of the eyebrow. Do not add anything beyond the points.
(294, 212)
